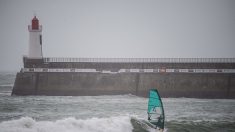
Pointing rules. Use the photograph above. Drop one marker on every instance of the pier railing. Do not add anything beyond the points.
(142, 60)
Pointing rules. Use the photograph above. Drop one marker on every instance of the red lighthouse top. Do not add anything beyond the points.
(35, 23)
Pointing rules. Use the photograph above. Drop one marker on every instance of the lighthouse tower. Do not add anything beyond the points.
(35, 39)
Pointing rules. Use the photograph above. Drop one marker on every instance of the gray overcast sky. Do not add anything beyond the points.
(118, 28)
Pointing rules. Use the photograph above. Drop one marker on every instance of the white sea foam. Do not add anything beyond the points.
(5, 93)
(6, 85)
(27, 124)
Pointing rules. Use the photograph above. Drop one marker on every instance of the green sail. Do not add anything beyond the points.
(155, 109)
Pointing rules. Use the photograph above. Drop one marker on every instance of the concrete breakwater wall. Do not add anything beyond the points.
(198, 85)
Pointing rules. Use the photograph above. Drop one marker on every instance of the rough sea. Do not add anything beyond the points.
(120, 113)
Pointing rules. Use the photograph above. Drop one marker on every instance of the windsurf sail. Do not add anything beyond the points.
(155, 109)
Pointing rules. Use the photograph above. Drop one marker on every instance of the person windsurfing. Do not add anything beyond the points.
(155, 110)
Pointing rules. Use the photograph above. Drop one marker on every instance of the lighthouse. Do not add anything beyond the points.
(35, 39)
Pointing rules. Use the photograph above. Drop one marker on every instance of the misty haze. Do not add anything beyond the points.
(123, 28)
(117, 65)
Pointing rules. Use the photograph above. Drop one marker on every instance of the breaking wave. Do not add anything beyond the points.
(111, 124)
(28, 124)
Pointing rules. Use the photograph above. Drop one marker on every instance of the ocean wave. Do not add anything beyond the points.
(200, 126)
(111, 124)
(8, 93)
(28, 124)
(6, 85)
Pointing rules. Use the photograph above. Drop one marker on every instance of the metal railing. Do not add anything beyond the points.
(35, 30)
(142, 60)
(130, 70)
